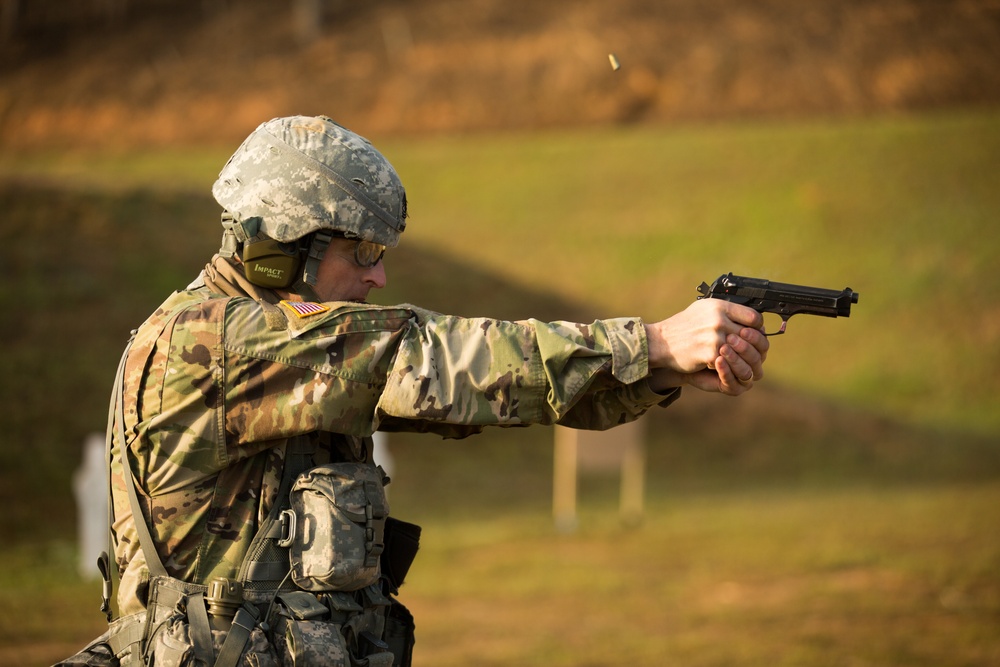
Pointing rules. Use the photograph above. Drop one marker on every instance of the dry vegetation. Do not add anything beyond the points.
(184, 71)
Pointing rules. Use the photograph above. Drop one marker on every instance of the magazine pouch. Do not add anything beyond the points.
(335, 629)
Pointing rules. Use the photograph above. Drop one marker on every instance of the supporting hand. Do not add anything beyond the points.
(712, 345)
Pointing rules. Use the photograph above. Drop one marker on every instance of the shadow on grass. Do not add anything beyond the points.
(83, 268)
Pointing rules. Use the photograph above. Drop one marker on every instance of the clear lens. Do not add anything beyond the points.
(368, 254)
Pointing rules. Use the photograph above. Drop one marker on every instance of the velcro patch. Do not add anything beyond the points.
(305, 308)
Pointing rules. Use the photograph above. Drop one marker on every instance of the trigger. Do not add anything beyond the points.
(780, 330)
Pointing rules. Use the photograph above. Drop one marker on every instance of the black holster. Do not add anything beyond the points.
(402, 540)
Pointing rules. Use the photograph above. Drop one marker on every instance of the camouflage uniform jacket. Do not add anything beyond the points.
(213, 390)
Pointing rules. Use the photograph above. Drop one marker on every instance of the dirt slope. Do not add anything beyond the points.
(187, 71)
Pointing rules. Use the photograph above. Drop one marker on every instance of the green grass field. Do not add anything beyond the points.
(767, 578)
(843, 513)
(631, 220)
(847, 576)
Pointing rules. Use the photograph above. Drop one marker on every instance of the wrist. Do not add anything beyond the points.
(663, 380)
(659, 351)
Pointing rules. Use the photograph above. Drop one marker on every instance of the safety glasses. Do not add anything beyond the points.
(368, 253)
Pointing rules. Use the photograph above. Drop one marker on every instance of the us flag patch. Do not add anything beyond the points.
(305, 308)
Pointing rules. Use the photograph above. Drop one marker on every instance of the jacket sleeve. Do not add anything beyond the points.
(362, 368)
(457, 375)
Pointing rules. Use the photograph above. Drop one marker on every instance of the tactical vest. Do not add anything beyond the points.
(316, 587)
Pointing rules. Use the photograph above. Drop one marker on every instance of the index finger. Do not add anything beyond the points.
(744, 315)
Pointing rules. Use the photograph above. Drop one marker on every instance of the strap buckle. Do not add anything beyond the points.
(288, 525)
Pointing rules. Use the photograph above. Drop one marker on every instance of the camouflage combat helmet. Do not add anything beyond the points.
(294, 177)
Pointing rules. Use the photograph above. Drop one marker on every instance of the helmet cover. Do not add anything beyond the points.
(302, 174)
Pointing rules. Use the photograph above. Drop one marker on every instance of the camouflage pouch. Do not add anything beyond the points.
(321, 644)
(173, 646)
(312, 643)
(179, 632)
(97, 653)
(336, 629)
(340, 512)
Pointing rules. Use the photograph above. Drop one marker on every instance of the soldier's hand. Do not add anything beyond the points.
(712, 345)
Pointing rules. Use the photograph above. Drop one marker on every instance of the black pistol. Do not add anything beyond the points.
(786, 300)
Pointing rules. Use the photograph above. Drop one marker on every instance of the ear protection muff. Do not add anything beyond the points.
(272, 264)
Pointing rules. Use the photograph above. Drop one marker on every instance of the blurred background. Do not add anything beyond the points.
(844, 512)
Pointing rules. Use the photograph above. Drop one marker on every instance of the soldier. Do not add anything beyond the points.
(250, 525)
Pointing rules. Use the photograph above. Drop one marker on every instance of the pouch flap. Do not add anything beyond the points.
(303, 606)
(339, 601)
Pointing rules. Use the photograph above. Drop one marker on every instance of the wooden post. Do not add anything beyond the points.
(621, 448)
(564, 480)
(633, 488)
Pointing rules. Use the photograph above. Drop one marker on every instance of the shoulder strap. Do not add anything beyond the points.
(116, 427)
(153, 562)
(104, 560)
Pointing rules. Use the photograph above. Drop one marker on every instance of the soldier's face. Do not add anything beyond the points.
(340, 278)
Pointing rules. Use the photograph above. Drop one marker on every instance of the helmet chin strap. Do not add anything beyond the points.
(317, 248)
(306, 292)
(305, 285)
